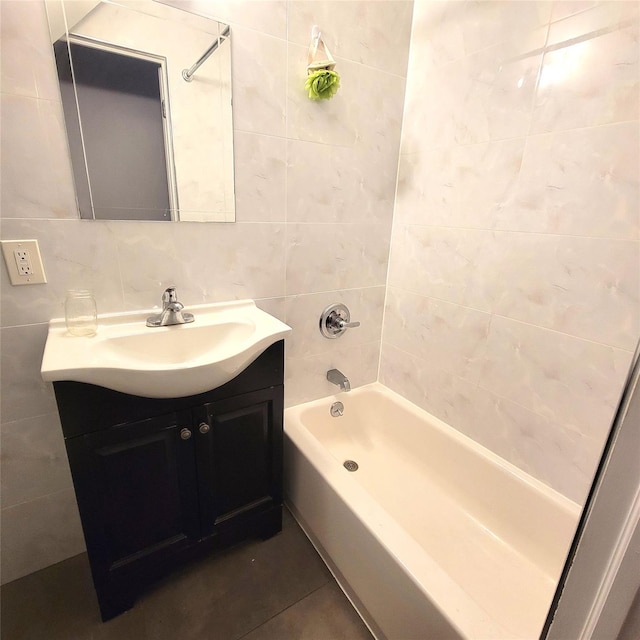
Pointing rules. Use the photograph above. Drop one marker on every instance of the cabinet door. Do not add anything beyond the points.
(239, 456)
(137, 492)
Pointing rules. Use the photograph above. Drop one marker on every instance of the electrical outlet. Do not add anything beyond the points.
(23, 261)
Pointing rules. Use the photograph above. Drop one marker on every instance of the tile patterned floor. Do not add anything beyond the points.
(274, 590)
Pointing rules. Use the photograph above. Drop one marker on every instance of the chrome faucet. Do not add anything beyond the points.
(338, 378)
(172, 311)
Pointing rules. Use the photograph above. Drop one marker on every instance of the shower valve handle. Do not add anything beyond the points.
(335, 320)
(342, 324)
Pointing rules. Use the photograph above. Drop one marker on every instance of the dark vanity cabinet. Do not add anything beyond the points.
(162, 481)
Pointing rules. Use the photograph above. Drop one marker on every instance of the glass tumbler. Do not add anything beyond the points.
(81, 313)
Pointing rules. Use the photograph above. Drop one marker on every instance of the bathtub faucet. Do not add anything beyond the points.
(338, 378)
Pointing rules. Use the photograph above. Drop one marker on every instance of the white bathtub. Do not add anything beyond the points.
(434, 536)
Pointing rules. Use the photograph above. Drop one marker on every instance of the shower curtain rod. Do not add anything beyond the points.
(187, 74)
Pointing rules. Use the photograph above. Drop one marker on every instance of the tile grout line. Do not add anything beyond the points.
(564, 425)
(293, 604)
(42, 497)
(489, 141)
(524, 322)
(497, 230)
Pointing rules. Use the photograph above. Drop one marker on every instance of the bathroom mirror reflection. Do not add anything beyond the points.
(146, 94)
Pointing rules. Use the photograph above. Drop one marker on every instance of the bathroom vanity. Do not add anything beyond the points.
(161, 481)
(174, 438)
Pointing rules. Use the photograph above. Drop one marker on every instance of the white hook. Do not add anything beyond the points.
(315, 32)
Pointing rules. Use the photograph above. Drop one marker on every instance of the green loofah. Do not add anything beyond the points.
(322, 84)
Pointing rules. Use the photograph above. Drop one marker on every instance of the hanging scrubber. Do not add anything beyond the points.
(322, 84)
(322, 81)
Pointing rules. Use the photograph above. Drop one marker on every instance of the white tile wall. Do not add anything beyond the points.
(581, 60)
(40, 532)
(371, 33)
(34, 459)
(260, 177)
(346, 184)
(451, 336)
(315, 184)
(323, 257)
(569, 178)
(513, 300)
(24, 393)
(27, 67)
(259, 66)
(37, 183)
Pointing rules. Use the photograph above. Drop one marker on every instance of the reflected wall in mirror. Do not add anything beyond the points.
(146, 94)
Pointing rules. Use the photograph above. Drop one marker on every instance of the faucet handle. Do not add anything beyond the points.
(169, 294)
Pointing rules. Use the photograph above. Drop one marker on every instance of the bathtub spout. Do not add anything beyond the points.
(338, 378)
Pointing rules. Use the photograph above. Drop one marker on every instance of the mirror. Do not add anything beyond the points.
(146, 95)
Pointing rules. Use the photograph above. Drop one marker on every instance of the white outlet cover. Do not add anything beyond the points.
(37, 275)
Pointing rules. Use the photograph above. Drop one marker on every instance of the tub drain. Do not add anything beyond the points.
(350, 465)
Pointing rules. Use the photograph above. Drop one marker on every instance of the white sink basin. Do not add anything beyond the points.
(163, 362)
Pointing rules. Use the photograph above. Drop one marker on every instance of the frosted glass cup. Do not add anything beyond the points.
(81, 313)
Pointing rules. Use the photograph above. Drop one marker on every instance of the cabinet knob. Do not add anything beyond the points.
(204, 427)
(185, 434)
